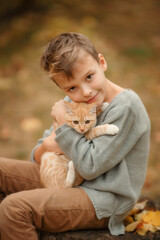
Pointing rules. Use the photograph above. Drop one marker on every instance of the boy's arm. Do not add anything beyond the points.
(49, 145)
(40, 141)
(45, 144)
(93, 158)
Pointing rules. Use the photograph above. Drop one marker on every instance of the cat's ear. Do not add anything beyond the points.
(68, 107)
(93, 107)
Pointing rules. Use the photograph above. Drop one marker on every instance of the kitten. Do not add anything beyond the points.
(56, 170)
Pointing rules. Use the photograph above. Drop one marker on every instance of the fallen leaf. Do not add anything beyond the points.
(129, 219)
(131, 227)
(139, 216)
(138, 206)
(141, 220)
(152, 217)
(145, 228)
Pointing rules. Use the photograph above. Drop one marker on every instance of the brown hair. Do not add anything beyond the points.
(62, 51)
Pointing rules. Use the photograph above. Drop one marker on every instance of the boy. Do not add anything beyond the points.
(113, 167)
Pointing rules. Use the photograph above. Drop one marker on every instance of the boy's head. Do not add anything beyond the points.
(62, 53)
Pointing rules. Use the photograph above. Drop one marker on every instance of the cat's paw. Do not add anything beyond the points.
(70, 175)
(71, 165)
(112, 129)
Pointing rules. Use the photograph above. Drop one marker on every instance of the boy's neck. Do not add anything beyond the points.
(112, 90)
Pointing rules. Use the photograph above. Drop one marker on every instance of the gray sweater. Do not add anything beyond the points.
(114, 166)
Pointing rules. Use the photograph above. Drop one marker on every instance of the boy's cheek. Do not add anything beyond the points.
(77, 98)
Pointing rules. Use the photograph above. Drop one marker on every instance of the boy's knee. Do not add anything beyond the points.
(15, 219)
(11, 209)
(7, 209)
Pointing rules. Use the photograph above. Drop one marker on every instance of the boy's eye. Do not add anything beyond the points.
(72, 89)
(87, 122)
(75, 122)
(89, 77)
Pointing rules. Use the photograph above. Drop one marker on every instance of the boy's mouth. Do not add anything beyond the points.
(93, 99)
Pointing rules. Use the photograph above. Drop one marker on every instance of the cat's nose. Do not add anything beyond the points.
(82, 130)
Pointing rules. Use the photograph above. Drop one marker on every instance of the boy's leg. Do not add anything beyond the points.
(51, 210)
(18, 175)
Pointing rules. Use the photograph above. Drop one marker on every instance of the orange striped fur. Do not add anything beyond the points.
(57, 170)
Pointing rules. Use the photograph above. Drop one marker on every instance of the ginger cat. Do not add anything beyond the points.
(56, 170)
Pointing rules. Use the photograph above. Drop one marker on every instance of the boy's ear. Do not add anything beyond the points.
(102, 62)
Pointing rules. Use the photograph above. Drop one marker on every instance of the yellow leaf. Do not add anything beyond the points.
(138, 207)
(145, 228)
(139, 216)
(141, 231)
(152, 217)
(128, 220)
(142, 221)
(131, 227)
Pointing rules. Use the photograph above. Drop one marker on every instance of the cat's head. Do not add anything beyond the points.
(80, 116)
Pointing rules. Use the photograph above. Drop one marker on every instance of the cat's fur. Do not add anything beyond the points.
(56, 170)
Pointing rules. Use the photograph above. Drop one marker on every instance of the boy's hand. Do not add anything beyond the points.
(48, 145)
(51, 145)
(58, 113)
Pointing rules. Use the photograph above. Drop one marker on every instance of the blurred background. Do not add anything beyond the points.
(126, 32)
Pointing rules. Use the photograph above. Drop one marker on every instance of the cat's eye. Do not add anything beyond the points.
(87, 122)
(75, 122)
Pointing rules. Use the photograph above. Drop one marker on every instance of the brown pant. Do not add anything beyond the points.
(32, 207)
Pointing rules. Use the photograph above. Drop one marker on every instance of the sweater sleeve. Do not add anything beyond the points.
(94, 157)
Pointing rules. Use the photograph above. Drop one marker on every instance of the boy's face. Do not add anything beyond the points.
(88, 83)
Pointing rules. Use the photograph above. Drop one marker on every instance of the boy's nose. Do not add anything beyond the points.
(86, 91)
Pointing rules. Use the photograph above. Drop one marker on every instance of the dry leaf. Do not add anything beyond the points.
(152, 217)
(145, 228)
(129, 219)
(141, 220)
(138, 206)
(139, 216)
(131, 227)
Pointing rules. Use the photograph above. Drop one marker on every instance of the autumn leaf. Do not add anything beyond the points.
(138, 206)
(152, 217)
(132, 226)
(139, 216)
(144, 228)
(129, 219)
(142, 220)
